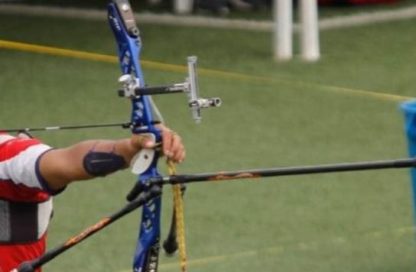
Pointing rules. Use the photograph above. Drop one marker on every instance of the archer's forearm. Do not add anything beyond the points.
(59, 167)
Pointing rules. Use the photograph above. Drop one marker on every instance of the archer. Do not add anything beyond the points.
(31, 173)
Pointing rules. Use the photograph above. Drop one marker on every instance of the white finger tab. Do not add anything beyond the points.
(142, 160)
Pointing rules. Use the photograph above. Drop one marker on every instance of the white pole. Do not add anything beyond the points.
(309, 31)
(183, 6)
(282, 45)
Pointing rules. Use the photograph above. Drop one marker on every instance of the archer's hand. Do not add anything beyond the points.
(172, 146)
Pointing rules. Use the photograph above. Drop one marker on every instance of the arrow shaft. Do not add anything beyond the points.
(51, 128)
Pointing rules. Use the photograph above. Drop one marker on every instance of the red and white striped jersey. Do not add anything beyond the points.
(25, 201)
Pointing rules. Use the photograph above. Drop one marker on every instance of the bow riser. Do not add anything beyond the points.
(129, 44)
(123, 24)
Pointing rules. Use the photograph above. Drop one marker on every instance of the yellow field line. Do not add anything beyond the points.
(299, 246)
(69, 53)
(56, 51)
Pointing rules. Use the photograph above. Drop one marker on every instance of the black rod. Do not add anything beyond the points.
(31, 266)
(158, 90)
(285, 171)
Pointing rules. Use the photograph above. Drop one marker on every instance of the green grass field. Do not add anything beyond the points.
(273, 114)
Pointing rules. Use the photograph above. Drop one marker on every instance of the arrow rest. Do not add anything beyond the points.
(131, 89)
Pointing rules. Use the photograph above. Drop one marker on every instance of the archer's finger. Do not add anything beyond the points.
(167, 140)
(141, 141)
(177, 149)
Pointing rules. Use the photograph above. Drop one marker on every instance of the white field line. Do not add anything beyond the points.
(168, 19)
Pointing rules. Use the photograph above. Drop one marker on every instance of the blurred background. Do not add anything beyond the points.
(58, 67)
(219, 7)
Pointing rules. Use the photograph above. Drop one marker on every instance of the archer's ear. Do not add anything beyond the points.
(24, 135)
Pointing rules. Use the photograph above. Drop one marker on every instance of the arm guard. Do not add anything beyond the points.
(99, 164)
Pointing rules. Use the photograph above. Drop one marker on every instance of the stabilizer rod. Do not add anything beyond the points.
(31, 266)
(285, 171)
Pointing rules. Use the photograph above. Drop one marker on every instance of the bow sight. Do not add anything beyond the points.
(132, 88)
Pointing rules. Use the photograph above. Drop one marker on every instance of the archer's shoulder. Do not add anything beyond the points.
(11, 146)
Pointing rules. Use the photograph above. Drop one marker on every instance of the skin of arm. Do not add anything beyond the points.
(59, 167)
